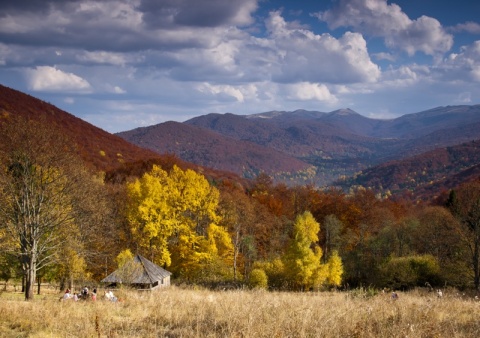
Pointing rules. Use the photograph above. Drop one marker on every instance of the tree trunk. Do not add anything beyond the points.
(235, 254)
(39, 282)
(29, 282)
(31, 271)
(476, 258)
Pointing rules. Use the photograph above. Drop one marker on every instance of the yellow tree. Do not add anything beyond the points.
(302, 263)
(173, 216)
(335, 270)
(149, 214)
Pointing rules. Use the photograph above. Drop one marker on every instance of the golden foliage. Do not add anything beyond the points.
(173, 216)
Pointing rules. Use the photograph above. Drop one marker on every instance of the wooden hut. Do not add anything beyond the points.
(139, 273)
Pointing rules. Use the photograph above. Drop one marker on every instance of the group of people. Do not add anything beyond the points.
(85, 294)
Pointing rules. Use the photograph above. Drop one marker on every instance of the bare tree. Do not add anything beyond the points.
(237, 215)
(37, 185)
(464, 203)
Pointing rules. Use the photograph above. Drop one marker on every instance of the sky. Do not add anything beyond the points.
(123, 64)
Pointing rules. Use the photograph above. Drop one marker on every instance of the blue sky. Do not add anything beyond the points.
(125, 64)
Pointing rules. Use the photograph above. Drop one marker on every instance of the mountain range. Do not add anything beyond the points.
(337, 148)
(420, 154)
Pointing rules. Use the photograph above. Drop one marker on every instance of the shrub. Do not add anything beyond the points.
(408, 272)
(258, 279)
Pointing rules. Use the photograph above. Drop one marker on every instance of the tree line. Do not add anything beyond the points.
(61, 222)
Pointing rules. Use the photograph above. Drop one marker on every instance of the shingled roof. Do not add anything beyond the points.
(138, 271)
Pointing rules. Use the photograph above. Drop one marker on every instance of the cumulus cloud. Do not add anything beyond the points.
(305, 91)
(378, 18)
(46, 78)
(219, 63)
(308, 57)
(469, 26)
(404, 76)
(118, 90)
(464, 65)
(222, 92)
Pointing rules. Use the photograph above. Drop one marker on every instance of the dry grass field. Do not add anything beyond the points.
(178, 312)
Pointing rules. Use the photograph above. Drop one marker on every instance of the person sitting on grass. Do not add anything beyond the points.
(110, 296)
(66, 295)
(394, 295)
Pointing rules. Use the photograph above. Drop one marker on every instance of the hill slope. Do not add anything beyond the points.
(97, 147)
(207, 148)
(424, 175)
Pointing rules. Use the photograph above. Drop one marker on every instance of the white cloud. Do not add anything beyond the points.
(403, 76)
(307, 57)
(102, 57)
(222, 92)
(305, 91)
(464, 98)
(469, 26)
(118, 90)
(384, 56)
(378, 18)
(46, 78)
(464, 65)
(219, 63)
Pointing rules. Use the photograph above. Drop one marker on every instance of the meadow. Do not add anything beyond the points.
(186, 312)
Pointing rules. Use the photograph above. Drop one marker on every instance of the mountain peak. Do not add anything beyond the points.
(343, 112)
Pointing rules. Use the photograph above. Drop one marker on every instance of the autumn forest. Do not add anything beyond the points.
(66, 221)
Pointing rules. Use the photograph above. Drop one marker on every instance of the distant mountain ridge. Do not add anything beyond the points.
(325, 145)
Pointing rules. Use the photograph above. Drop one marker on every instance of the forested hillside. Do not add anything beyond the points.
(209, 149)
(64, 222)
(98, 148)
(422, 176)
